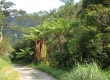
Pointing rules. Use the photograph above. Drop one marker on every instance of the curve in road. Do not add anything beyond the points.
(27, 73)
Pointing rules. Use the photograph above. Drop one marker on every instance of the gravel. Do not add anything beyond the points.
(27, 73)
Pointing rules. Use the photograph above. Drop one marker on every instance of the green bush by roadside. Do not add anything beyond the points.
(87, 72)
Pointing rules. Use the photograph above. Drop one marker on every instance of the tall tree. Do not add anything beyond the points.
(60, 29)
(4, 13)
(2, 17)
(6, 5)
(37, 36)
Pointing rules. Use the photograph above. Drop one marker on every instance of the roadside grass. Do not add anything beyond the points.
(80, 72)
(87, 72)
(7, 72)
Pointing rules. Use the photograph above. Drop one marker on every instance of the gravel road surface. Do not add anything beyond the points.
(27, 73)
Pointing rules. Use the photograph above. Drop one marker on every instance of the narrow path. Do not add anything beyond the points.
(27, 73)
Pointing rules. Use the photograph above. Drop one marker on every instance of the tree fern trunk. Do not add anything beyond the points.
(37, 50)
(59, 41)
(43, 49)
(1, 36)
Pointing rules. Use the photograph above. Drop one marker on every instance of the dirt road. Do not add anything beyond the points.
(27, 73)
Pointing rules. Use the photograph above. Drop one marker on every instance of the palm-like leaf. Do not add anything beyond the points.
(24, 52)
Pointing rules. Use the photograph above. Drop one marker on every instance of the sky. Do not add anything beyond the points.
(31, 6)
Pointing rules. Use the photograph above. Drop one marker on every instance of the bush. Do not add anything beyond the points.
(87, 72)
(63, 61)
(5, 48)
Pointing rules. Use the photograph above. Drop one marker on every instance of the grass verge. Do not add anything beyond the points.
(7, 72)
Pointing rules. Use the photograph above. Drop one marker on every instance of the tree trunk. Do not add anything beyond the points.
(59, 41)
(1, 36)
(43, 49)
(38, 50)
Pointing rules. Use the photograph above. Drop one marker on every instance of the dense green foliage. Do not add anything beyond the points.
(70, 38)
(61, 38)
